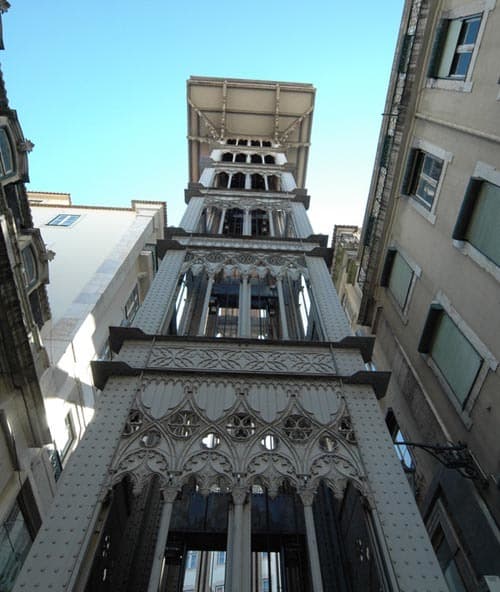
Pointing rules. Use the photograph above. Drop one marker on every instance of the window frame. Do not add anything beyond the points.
(132, 305)
(462, 13)
(410, 180)
(439, 519)
(393, 251)
(4, 171)
(30, 260)
(70, 428)
(64, 220)
(442, 305)
(482, 173)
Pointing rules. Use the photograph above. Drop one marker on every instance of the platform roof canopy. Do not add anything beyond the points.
(222, 108)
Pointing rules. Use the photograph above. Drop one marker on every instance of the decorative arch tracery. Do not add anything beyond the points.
(304, 451)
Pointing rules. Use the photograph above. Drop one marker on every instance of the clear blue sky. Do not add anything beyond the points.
(99, 87)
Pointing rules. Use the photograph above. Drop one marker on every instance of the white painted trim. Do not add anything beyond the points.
(468, 9)
(489, 173)
(446, 156)
(489, 362)
(417, 272)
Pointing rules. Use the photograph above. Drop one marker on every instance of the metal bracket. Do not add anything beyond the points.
(453, 456)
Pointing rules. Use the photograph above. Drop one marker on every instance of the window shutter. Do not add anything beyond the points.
(386, 270)
(409, 172)
(435, 311)
(466, 210)
(437, 49)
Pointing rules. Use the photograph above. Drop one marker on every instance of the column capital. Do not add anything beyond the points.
(307, 494)
(239, 493)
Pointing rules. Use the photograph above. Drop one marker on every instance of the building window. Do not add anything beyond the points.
(454, 47)
(6, 160)
(399, 276)
(29, 267)
(399, 440)
(15, 542)
(457, 571)
(69, 430)
(422, 177)
(457, 360)
(191, 560)
(221, 557)
(479, 219)
(63, 220)
(132, 305)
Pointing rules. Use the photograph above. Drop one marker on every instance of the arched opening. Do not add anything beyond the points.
(279, 547)
(258, 182)
(264, 310)
(221, 180)
(195, 556)
(343, 531)
(242, 142)
(227, 157)
(231, 141)
(123, 560)
(269, 159)
(260, 223)
(256, 158)
(238, 181)
(273, 183)
(233, 222)
(255, 143)
(266, 144)
(241, 158)
(223, 309)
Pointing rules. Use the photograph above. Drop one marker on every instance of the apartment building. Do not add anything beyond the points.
(429, 275)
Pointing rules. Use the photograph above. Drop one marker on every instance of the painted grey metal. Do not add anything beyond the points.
(56, 555)
(332, 317)
(151, 316)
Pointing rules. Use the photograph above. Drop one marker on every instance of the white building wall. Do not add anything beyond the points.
(96, 267)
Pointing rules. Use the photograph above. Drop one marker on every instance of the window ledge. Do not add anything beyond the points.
(470, 251)
(425, 213)
(450, 84)
(463, 412)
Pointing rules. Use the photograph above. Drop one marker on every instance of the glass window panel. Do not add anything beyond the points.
(449, 48)
(15, 542)
(426, 191)
(484, 225)
(460, 64)
(455, 357)
(432, 167)
(400, 280)
(6, 154)
(448, 565)
(469, 32)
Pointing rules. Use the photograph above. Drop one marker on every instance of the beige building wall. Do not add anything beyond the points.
(455, 120)
(103, 264)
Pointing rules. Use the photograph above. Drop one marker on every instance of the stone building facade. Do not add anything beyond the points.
(236, 415)
(27, 481)
(429, 272)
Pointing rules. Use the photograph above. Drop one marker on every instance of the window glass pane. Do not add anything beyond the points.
(455, 357)
(460, 64)
(432, 167)
(63, 220)
(15, 542)
(470, 30)
(6, 154)
(449, 48)
(484, 225)
(448, 565)
(400, 280)
(30, 268)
